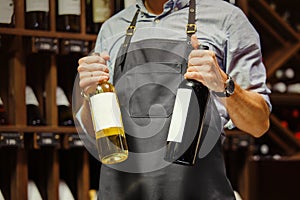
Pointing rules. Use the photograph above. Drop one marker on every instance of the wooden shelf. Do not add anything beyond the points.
(48, 34)
(285, 99)
(38, 129)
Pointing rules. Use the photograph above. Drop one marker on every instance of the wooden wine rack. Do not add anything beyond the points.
(34, 152)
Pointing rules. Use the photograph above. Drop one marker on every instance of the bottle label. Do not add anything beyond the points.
(179, 115)
(69, 7)
(37, 5)
(101, 10)
(106, 111)
(30, 97)
(6, 11)
(129, 3)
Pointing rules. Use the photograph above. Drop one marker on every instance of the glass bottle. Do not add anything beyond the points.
(187, 122)
(108, 125)
(68, 15)
(37, 14)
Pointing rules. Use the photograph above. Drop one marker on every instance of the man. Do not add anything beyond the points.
(168, 32)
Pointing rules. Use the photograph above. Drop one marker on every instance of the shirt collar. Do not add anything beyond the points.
(169, 5)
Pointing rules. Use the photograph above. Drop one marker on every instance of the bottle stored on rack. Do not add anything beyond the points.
(68, 15)
(7, 17)
(97, 12)
(128, 3)
(65, 116)
(108, 125)
(37, 14)
(34, 117)
(3, 114)
(187, 122)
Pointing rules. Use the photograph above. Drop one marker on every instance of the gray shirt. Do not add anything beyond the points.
(220, 25)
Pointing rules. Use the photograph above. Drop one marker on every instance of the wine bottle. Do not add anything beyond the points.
(7, 17)
(34, 117)
(64, 191)
(128, 3)
(187, 122)
(119, 5)
(108, 125)
(37, 14)
(3, 114)
(68, 15)
(33, 191)
(101, 11)
(65, 117)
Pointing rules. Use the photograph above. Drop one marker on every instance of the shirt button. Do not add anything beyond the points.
(157, 21)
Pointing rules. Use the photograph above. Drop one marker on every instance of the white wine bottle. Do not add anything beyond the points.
(108, 125)
(186, 125)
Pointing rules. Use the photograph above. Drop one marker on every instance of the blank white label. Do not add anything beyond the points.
(69, 7)
(37, 5)
(129, 3)
(179, 116)
(106, 111)
(6, 11)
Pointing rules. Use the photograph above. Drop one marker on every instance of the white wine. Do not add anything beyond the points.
(108, 125)
(112, 145)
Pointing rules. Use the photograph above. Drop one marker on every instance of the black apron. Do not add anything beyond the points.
(147, 74)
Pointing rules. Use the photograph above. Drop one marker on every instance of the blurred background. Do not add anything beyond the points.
(40, 43)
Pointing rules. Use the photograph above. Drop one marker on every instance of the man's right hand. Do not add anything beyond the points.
(92, 70)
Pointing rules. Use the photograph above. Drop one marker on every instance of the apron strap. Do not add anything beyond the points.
(191, 29)
(129, 33)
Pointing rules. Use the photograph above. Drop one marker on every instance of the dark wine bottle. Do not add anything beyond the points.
(65, 117)
(7, 17)
(119, 5)
(68, 15)
(187, 122)
(3, 114)
(100, 11)
(37, 14)
(34, 117)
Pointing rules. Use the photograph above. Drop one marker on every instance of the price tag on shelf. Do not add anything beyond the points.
(41, 44)
(72, 141)
(11, 140)
(46, 139)
(74, 46)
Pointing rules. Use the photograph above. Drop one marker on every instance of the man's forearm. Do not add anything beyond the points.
(248, 111)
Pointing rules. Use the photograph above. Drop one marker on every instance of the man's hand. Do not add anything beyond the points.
(203, 67)
(92, 70)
